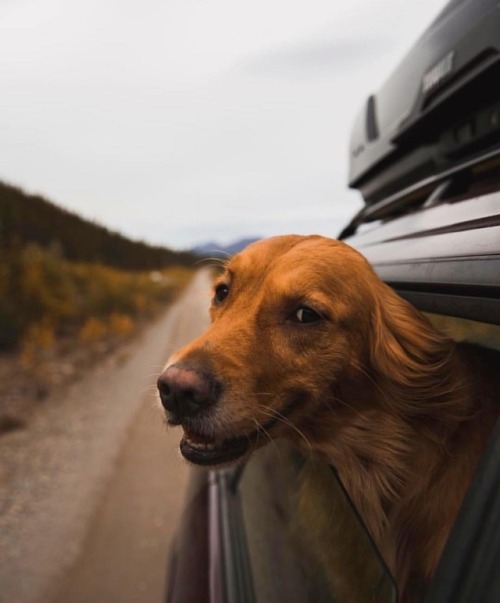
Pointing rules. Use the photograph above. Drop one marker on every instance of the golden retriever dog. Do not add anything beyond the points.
(307, 343)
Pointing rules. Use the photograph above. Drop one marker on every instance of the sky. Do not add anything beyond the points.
(179, 122)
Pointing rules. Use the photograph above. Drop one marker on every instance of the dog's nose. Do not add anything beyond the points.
(184, 392)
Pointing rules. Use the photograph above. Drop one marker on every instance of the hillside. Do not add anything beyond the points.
(62, 276)
(32, 219)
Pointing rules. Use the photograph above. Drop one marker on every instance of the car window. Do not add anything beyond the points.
(305, 540)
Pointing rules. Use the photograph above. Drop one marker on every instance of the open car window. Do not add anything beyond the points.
(305, 541)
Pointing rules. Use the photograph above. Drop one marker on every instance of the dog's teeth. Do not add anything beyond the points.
(201, 445)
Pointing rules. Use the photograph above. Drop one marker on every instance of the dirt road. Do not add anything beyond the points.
(91, 491)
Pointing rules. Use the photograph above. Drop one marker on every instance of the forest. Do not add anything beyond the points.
(32, 219)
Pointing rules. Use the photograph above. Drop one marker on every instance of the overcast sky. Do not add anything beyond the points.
(184, 121)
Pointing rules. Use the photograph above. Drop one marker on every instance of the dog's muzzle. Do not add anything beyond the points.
(185, 392)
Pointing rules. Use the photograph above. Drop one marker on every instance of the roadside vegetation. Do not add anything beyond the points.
(44, 297)
(71, 292)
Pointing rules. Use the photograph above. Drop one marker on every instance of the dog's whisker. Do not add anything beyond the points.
(276, 414)
(262, 429)
(330, 406)
(215, 261)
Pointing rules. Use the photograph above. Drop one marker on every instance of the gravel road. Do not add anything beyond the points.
(91, 490)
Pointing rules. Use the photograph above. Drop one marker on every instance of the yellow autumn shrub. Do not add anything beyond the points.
(121, 324)
(37, 340)
(92, 330)
(43, 297)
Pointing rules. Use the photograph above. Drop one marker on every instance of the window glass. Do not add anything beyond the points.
(471, 331)
(305, 541)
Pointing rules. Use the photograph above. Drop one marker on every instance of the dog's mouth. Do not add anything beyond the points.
(201, 450)
(207, 450)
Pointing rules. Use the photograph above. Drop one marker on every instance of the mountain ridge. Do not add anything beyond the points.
(217, 250)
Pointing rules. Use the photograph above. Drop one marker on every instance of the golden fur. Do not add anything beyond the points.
(371, 388)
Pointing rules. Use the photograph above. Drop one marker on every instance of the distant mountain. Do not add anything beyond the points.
(216, 250)
(26, 219)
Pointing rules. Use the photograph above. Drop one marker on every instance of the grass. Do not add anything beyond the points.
(45, 298)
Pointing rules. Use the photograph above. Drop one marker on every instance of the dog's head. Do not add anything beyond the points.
(292, 317)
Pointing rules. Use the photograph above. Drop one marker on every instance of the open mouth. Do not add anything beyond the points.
(204, 450)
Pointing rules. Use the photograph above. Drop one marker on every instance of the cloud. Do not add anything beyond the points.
(313, 58)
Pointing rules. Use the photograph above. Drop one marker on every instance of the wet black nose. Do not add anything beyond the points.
(185, 392)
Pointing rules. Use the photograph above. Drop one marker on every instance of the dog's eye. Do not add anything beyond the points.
(221, 292)
(305, 315)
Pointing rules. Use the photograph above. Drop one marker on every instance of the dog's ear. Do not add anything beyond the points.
(410, 359)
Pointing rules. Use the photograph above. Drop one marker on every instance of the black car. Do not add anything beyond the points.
(425, 156)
